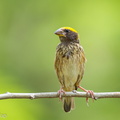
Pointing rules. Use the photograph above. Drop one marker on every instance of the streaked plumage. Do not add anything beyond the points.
(69, 63)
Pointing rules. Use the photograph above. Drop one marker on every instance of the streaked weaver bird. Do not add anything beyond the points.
(69, 64)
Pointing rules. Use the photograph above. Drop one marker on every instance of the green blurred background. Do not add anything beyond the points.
(27, 51)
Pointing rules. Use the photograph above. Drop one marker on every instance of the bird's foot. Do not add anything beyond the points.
(60, 93)
(88, 92)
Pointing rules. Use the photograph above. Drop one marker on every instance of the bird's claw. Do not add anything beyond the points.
(91, 95)
(60, 93)
(87, 93)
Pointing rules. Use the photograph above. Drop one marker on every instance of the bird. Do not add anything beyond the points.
(69, 64)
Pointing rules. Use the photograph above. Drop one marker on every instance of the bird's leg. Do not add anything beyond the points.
(60, 93)
(88, 92)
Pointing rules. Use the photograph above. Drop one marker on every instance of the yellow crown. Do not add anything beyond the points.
(69, 28)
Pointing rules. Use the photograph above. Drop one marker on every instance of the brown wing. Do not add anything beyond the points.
(82, 61)
(58, 65)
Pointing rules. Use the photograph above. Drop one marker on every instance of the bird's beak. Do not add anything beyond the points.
(60, 32)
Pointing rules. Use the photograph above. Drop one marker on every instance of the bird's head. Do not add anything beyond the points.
(67, 34)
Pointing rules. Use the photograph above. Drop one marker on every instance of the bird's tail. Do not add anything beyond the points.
(68, 104)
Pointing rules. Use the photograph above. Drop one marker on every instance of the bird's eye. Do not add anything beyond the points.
(66, 31)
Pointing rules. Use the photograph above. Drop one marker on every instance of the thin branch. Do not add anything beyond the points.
(9, 95)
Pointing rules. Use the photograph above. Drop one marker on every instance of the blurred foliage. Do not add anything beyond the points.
(27, 50)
